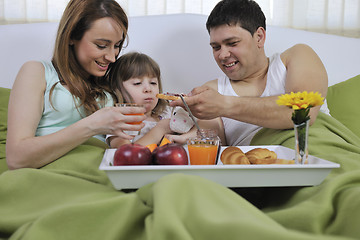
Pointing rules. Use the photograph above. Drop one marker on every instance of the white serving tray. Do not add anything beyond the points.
(267, 175)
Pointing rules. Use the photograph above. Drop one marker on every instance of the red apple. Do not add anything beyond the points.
(170, 154)
(132, 154)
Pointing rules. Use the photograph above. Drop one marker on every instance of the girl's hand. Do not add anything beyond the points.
(181, 139)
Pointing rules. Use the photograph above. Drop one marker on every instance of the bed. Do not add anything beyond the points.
(72, 199)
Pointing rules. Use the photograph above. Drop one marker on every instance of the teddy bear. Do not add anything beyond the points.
(180, 121)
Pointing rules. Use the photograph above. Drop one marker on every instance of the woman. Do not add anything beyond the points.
(56, 106)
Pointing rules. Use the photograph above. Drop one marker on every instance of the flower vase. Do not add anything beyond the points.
(301, 142)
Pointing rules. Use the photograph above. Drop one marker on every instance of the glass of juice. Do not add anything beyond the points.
(132, 133)
(131, 105)
(203, 151)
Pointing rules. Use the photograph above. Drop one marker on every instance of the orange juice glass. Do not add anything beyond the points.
(131, 105)
(203, 151)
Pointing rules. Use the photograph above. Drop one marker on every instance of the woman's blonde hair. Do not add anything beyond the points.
(78, 18)
(135, 65)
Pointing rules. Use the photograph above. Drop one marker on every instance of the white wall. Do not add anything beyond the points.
(180, 44)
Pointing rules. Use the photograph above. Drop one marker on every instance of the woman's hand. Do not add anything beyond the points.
(115, 120)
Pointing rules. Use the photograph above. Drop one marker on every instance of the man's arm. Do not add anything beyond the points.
(305, 71)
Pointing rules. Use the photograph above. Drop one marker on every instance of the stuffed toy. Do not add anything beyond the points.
(180, 121)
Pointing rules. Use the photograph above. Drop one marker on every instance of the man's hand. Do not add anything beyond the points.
(204, 102)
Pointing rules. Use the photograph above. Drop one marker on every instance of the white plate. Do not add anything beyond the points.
(270, 175)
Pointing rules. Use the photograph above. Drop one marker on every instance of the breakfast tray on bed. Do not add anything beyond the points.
(267, 175)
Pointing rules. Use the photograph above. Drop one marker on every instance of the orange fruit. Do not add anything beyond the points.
(151, 146)
(164, 141)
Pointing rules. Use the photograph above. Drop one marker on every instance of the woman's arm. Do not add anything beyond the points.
(26, 102)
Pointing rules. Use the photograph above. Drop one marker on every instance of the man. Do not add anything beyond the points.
(244, 101)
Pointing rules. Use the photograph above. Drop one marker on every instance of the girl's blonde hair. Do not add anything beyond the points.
(135, 65)
(78, 18)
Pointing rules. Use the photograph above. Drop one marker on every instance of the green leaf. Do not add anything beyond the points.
(300, 115)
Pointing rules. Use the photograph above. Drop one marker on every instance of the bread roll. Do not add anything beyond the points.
(284, 161)
(233, 155)
(261, 156)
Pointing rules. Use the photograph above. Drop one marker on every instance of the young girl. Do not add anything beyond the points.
(138, 79)
(56, 106)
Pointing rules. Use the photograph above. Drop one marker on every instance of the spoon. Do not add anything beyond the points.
(190, 113)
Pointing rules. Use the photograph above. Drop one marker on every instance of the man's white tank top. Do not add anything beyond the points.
(241, 133)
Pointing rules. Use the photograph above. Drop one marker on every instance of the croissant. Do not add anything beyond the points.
(284, 161)
(233, 155)
(261, 156)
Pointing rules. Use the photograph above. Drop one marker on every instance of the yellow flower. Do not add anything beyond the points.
(300, 102)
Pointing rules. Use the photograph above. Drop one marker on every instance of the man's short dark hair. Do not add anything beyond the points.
(245, 13)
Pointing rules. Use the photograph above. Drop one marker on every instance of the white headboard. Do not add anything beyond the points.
(180, 44)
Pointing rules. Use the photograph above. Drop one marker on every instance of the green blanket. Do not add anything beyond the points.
(72, 199)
